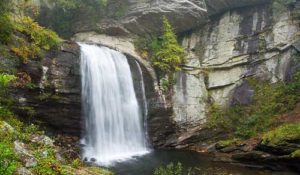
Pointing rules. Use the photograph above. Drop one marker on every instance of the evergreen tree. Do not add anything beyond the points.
(170, 55)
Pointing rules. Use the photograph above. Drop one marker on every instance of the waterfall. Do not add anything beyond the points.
(142, 85)
(143, 88)
(114, 127)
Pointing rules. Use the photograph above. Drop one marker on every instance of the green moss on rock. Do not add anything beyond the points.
(296, 154)
(282, 134)
(225, 143)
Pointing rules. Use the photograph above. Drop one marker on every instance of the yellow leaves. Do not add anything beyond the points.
(22, 52)
(144, 54)
(38, 39)
(41, 36)
(26, 51)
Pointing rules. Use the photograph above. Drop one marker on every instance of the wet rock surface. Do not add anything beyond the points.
(55, 95)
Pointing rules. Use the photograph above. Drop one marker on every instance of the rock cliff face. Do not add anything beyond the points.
(257, 41)
(185, 15)
(132, 16)
(55, 98)
(233, 40)
(215, 7)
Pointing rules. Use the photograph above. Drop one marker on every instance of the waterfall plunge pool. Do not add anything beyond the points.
(199, 163)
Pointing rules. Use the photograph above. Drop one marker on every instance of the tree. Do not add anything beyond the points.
(170, 55)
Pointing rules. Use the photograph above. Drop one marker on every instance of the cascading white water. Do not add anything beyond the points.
(113, 121)
(144, 95)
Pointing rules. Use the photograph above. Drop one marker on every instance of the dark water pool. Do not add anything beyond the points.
(201, 164)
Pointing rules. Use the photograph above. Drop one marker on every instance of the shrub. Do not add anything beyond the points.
(39, 35)
(5, 80)
(76, 163)
(170, 55)
(6, 28)
(8, 163)
(166, 55)
(269, 101)
(47, 163)
(39, 38)
(170, 169)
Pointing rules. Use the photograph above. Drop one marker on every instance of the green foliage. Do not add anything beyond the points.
(269, 101)
(5, 6)
(47, 162)
(226, 143)
(8, 159)
(24, 37)
(148, 46)
(8, 163)
(8, 11)
(5, 80)
(98, 170)
(296, 154)
(76, 163)
(167, 82)
(170, 55)
(39, 37)
(8, 116)
(285, 133)
(216, 117)
(170, 169)
(165, 54)
(6, 28)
